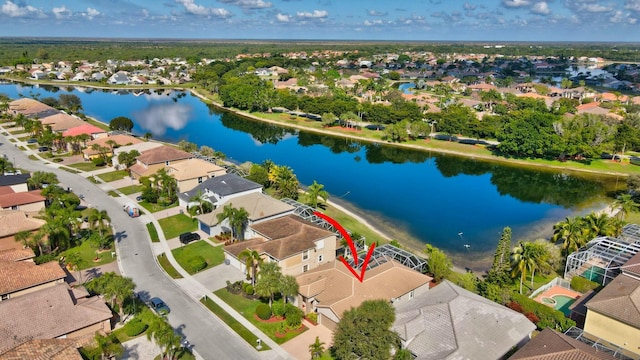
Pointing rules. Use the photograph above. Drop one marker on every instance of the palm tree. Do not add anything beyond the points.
(238, 219)
(164, 336)
(599, 225)
(268, 283)
(99, 219)
(147, 136)
(252, 260)
(314, 191)
(521, 261)
(122, 288)
(572, 233)
(108, 346)
(75, 261)
(317, 348)
(626, 204)
(284, 180)
(288, 286)
(40, 178)
(197, 197)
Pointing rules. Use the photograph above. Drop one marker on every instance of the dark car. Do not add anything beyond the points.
(159, 306)
(32, 141)
(188, 237)
(43, 149)
(138, 198)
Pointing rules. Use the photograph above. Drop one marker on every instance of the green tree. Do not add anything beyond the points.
(238, 219)
(161, 332)
(468, 281)
(147, 136)
(328, 119)
(121, 123)
(128, 158)
(100, 220)
(499, 272)
(526, 257)
(39, 180)
(259, 174)
(187, 146)
(439, 264)
(285, 181)
(288, 286)
(571, 231)
(365, 332)
(269, 281)
(626, 204)
(317, 348)
(315, 191)
(75, 262)
(252, 260)
(70, 102)
(108, 345)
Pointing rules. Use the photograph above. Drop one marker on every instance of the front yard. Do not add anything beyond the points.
(155, 207)
(113, 175)
(213, 255)
(175, 225)
(87, 253)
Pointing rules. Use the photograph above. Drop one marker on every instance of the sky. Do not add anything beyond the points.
(421, 20)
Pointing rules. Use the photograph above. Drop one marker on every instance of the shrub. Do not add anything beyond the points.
(58, 160)
(197, 263)
(294, 316)
(134, 327)
(263, 311)
(244, 286)
(313, 317)
(548, 316)
(249, 290)
(278, 308)
(99, 161)
(582, 285)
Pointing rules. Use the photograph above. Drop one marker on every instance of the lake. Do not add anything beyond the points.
(414, 196)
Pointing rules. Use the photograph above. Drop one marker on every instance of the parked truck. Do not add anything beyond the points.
(131, 209)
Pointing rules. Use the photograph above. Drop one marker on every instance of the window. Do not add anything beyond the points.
(199, 179)
(305, 255)
(411, 294)
(166, 163)
(320, 244)
(305, 268)
(4, 297)
(320, 258)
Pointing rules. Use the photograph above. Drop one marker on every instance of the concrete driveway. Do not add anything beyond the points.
(216, 277)
(298, 347)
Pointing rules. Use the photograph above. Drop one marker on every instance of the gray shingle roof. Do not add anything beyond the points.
(8, 180)
(223, 185)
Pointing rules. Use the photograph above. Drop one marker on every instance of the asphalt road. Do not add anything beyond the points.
(210, 337)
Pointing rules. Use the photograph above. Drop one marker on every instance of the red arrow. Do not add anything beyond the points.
(352, 247)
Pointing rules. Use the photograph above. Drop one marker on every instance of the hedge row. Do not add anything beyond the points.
(547, 316)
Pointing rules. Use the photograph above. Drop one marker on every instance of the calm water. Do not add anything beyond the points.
(444, 200)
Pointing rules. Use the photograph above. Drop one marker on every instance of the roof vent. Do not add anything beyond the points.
(224, 182)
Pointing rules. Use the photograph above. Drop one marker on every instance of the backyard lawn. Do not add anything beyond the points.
(175, 225)
(114, 175)
(213, 255)
(247, 308)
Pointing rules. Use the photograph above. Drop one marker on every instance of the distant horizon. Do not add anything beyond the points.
(595, 21)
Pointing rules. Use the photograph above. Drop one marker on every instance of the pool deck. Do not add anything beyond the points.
(557, 290)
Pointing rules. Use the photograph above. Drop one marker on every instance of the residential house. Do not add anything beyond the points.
(53, 312)
(150, 161)
(613, 314)
(220, 189)
(295, 244)
(28, 201)
(19, 277)
(93, 131)
(98, 76)
(17, 183)
(449, 322)
(61, 122)
(550, 344)
(139, 147)
(331, 289)
(13, 222)
(119, 78)
(189, 173)
(22, 254)
(120, 140)
(50, 349)
(31, 108)
(262, 72)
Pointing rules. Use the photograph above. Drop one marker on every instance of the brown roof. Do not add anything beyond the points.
(14, 221)
(45, 349)
(193, 168)
(162, 154)
(61, 122)
(16, 254)
(258, 205)
(552, 345)
(52, 312)
(632, 266)
(15, 276)
(6, 190)
(121, 140)
(28, 106)
(20, 198)
(336, 288)
(619, 300)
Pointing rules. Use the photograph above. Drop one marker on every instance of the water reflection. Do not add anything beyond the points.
(261, 133)
(158, 116)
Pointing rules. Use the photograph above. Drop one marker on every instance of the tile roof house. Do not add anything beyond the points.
(150, 161)
(31, 108)
(189, 173)
(18, 183)
(449, 322)
(552, 345)
(260, 207)
(54, 312)
(45, 349)
(29, 201)
(13, 222)
(220, 189)
(120, 139)
(613, 314)
(18, 278)
(139, 147)
(331, 289)
(295, 244)
(25, 254)
(60, 122)
(91, 130)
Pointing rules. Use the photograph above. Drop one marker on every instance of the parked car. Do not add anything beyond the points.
(43, 149)
(159, 306)
(32, 141)
(138, 198)
(188, 237)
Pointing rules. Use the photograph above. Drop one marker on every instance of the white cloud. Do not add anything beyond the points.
(618, 17)
(91, 13)
(469, 7)
(372, 22)
(12, 9)
(596, 8)
(633, 5)
(248, 4)
(316, 14)
(515, 3)
(61, 12)
(283, 17)
(588, 6)
(192, 8)
(541, 8)
(376, 13)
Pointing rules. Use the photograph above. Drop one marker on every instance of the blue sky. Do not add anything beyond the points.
(478, 20)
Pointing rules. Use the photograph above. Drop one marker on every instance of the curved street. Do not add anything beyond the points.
(211, 338)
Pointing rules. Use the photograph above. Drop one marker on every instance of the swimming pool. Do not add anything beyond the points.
(562, 303)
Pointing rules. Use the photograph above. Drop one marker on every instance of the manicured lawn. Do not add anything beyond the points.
(73, 171)
(88, 254)
(131, 189)
(113, 193)
(247, 308)
(168, 268)
(244, 333)
(16, 132)
(155, 207)
(93, 179)
(353, 225)
(153, 233)
(85, 166)
(214, 255)
(113, 176)
(175, 225)
(33, 157)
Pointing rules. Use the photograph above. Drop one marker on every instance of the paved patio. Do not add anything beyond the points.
(298, 347)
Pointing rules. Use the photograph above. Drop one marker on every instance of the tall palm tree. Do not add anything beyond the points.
(252, 260)
(268, 283)
(39, 178)
(599, 225)
(314, 191)
(571, 232)
(626, 204)
(238, 219)
(108, 346)
(288, 286)
(317, 348)
(99, 219)
(161, 332)
(75, 261)
(522, 261)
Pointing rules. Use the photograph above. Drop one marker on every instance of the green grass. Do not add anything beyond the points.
(244, 333)
(153, 233)
(93, 179)
(214, 255)
(155, 207)
(33, 157)
(353, 225)
(17, 132)
(168, 268)
(85, 166)
(247, 308)
(88, 254)
(113, 176)
(113, 193)
(73, 171)
(131, 189)
(98, 124)
(175, 225)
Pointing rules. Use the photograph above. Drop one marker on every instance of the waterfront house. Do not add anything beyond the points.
(119, 78)
(220, 189)
(119, 139)
(31, 108)
(61, 122)
(13, 222)
(140, 147)
(294, 243)
(449, 322)
(550, 344)
(189, 173)
(150, 161)
(93, 131)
